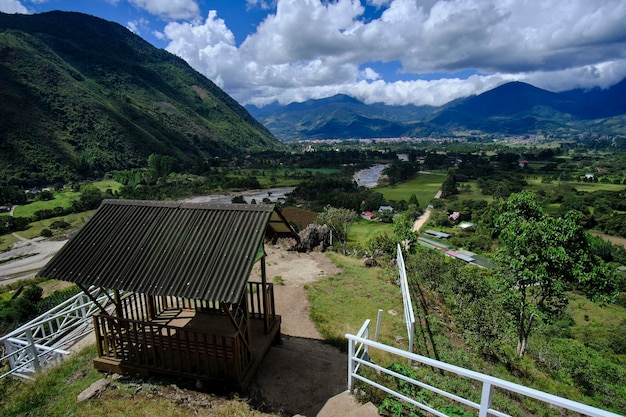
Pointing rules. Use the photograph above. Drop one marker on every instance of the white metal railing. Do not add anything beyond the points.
(358, 355)
(409, 315)
(38, 343)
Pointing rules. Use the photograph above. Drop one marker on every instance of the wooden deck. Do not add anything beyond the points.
(185, 340)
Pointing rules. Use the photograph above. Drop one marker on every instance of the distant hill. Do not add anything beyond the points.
(82, 96)
(513, 108)
(340, 116)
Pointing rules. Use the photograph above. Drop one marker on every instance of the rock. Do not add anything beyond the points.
(370, 262)
(314, 236)
(94, 390)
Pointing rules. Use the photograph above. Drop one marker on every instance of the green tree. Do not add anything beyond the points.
(539, 259)
(90, 198)
(448, 188)
(339, 221)
(403, 230)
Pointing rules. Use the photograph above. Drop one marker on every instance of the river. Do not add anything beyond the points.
(365, 177)
(274, 194)
(369, 177)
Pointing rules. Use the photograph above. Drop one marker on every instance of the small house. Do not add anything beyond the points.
(178, 277)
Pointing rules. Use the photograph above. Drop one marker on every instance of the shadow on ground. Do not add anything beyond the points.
(298, 376)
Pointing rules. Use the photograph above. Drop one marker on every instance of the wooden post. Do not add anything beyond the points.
(150, 306)
(118, 304)
(266, 315)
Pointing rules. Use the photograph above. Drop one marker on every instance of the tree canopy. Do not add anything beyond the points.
(540, 258)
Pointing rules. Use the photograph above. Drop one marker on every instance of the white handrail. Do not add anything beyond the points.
(358, 342)
(49, 331)
(409, 315)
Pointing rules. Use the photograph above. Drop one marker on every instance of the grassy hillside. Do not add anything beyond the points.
(82, 96)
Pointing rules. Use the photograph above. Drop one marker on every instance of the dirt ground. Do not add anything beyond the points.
(302, 373)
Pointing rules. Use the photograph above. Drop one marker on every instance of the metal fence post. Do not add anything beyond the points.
(33, 350)
(485, 400)
(350, 364)
(378, 323)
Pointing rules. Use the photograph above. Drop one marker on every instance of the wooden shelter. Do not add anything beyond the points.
(178, 275)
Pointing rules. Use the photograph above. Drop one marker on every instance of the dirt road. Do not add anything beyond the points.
(30, 255)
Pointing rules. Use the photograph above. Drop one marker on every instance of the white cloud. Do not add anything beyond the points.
(12, 6)
(207, 46)
(169, 9)
(261, 4)
(312, 48)
(138, 26)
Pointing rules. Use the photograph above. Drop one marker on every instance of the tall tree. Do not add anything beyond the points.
(540, 258)
(339, 221)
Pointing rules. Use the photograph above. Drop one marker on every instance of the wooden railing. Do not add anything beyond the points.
(261, 303)
(145, 307)
(135, 339)
(170, 349)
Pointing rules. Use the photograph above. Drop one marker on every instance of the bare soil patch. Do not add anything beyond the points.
(299, 375)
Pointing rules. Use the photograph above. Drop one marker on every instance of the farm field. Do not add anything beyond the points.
(424, 186)
(364, 230)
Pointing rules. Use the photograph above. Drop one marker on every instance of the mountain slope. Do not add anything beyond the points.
(339, 116)
(512, 108)
(82, 96)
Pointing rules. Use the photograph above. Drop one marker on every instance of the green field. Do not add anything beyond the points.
(75, 220)
(469, 191)
(424, 186)
(61, 199)
(112, 185)
(364, 230)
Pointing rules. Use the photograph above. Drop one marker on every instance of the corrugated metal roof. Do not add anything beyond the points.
(190, 250)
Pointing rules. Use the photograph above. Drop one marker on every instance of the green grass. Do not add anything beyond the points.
(341, 303)
(63, 199)
(54, 393)
(588, 314)
(364, 230)
(114, 186)
(473, 193)
(75, 220)
(6, 241)
(596, 186)
(424, 186)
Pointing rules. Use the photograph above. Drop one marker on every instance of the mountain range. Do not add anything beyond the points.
(514, 108)
(82, 96)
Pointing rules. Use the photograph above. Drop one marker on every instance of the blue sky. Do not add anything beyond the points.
(392, 51)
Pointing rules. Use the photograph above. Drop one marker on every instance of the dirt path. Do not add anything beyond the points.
(302, 373)
(421, 220)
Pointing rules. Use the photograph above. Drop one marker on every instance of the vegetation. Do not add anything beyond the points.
(54, 393)
(539, 258)
(339, 220)
(465, 315)
(103, 109)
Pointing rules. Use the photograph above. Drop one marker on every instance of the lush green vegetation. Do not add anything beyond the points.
(462, 313)
(54, 394)
(74, 110)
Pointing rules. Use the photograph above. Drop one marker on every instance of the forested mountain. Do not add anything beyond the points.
(340, 116)
(513, 108)
(82, 96)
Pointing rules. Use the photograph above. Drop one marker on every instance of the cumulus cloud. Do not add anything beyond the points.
(12, 6)
(315, 48)
(312, 48)
(169, 9)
